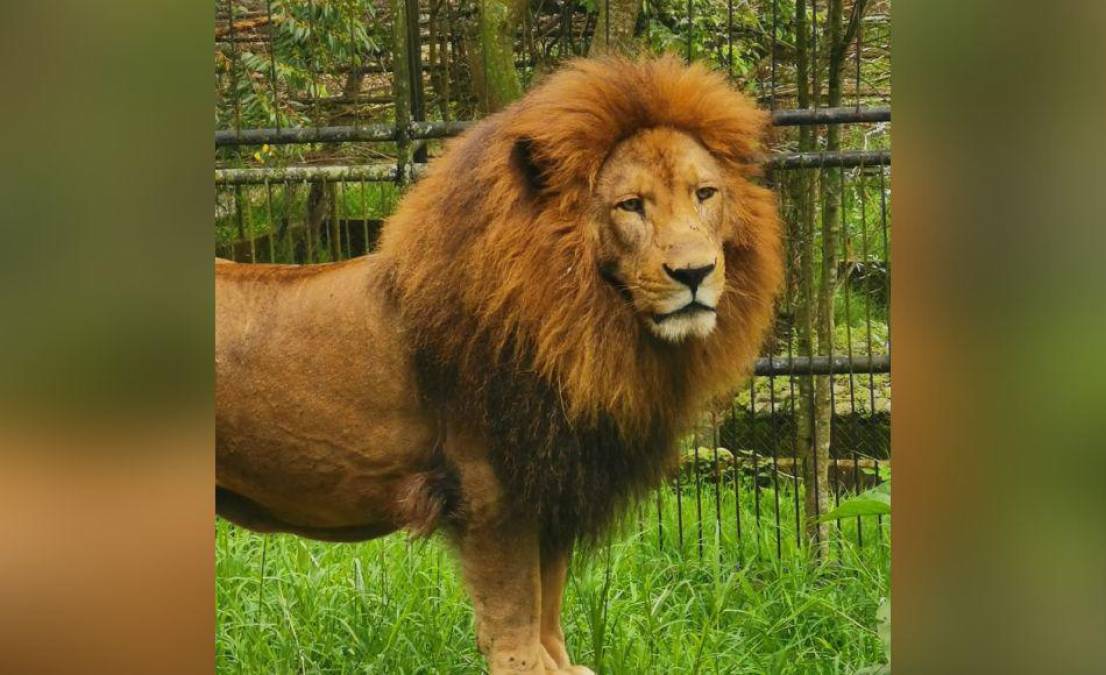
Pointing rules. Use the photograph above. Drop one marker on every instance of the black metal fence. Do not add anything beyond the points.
(327, 110)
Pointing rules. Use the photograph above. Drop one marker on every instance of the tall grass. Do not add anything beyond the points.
(646, 603)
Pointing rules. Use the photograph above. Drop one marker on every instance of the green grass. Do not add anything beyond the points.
(643, 605)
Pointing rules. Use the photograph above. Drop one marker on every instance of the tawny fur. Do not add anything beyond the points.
(515, 333)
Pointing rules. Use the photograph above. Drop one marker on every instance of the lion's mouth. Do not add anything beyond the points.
(693, 307)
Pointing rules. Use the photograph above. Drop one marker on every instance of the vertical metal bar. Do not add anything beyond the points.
(717, 485)
(698, 495)
(308, 235)
(887, 287)
(346, 250)
(240, 218)
(285, 221)
(836, 486)
(814, 456)
(364, 217)
(261, 581)
(241, 227)
(272, 223)
(334, 243)
(736, 477)
(849, 339)
(250, 228)
(737, 509)
(848, 300)
(288, 247)
(660, 522)
(756, 463)
(775, 461)
(792, 398)
(886, 245)
(680, 503)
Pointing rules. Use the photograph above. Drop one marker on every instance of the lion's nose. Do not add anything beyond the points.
(690, 276)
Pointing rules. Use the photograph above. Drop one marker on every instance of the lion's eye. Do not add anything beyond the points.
(705, 193)
(633, 205)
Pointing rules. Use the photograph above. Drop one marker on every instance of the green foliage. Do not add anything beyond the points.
(668, 26)
(312, 41)
(883, 629)
(873, 502)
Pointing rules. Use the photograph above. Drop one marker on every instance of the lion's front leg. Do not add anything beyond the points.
(554, 574)
(500, 564)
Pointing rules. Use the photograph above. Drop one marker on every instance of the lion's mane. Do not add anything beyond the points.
(515, 332)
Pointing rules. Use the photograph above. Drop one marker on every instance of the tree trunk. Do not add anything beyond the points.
(830, 184)
(813, 431)
(401, 82)
(614, 34)
(439, 57)
(491, 38)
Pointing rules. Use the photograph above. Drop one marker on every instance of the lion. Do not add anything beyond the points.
(548, 308)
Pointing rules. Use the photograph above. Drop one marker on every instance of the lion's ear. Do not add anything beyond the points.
(522, 161)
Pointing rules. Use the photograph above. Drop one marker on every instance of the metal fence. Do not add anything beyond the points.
(326, 111)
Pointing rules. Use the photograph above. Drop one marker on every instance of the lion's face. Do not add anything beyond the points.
(660, 205)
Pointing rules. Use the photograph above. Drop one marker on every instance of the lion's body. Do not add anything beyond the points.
(502, 366)
(318, 422)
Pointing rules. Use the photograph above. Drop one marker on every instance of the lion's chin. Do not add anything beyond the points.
(679, 328)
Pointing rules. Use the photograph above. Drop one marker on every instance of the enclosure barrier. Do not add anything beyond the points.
(374, 133)
(390, 172)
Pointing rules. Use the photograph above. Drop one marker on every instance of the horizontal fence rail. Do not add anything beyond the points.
(389, 172)
(845, 115)
(817, 160)
(375, 133)
(823, 365)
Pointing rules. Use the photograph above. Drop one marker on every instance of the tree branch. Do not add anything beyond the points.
(838, 51)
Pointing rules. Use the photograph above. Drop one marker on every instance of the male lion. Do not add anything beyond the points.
(549, 306)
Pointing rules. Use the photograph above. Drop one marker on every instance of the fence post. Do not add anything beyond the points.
(414, 72)
(401, 83)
